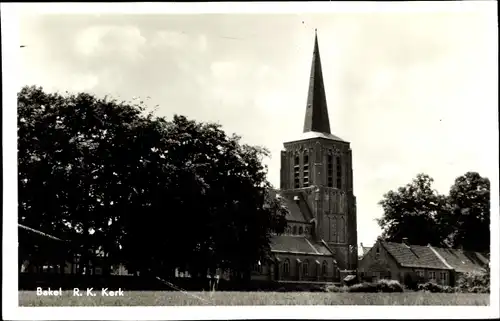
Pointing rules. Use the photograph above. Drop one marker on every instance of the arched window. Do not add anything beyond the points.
(305, 268)
(324, 268)
(300, 230)
(286, 267)
(305, 168)
(294, 230)
(341, 230)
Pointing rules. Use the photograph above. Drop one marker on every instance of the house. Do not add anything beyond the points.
(317, 188)
(42, 253)
(362, 250)
(398, 261)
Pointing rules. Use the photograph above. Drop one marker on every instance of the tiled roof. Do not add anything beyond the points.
(414, 256)
(294, 212)
(362, 250)
(297, 245)
(462, 261)
(297, 211)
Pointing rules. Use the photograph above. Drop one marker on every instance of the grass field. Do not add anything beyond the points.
(30, 298)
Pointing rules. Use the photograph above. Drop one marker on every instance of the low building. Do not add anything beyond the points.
(398, 261)
(42, 253)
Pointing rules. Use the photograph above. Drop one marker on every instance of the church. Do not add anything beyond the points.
(317, 187)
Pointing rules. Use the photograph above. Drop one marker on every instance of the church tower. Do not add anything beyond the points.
(318, 166)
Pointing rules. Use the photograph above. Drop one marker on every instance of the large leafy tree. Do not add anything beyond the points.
(470, 212)
(152, 193)
(413, 211)
(460, 219)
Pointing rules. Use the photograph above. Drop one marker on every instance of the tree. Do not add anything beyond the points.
(152, 193)
(76, 156)
(217, 194)
(470, 201)
(413, 211)
(461, 219)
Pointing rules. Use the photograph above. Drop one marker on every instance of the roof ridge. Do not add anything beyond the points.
(310, 244)
(440, 257)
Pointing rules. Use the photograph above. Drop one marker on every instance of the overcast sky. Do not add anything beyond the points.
(412, 92)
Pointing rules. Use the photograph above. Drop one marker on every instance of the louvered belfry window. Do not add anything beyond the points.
(296, 171)
(305, 168)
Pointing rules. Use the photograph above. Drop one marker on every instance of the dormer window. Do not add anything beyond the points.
(305, 169)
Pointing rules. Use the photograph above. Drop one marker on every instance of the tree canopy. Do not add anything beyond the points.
(418, 212)
(153, 193)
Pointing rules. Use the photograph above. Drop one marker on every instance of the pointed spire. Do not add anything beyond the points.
(316, 119)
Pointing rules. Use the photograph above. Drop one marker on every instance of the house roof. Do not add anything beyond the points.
(297, 245)
(37, 232)
(414, 256)
(463, 261)
(363, 250)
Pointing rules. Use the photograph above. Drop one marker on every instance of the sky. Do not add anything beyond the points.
(412, 92)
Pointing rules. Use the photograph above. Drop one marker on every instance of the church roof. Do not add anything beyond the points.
(316, 119)
(312, 135)
(298, 210)
(297, 245)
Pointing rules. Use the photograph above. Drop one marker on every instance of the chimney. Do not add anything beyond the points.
(405, 241)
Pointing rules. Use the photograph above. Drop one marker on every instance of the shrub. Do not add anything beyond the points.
(436, 288)
(474, 282)
(389, 286)
(335, 289)
(364, 287)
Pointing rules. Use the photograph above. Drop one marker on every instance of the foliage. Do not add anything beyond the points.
(418, 212)
(390, 286)
(336, 289)
(113, 178)
(412, 212)
(474, 282)
(435, 288)
(386, 286)
(470, 213)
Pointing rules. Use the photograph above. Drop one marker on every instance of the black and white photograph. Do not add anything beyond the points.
(250, 160)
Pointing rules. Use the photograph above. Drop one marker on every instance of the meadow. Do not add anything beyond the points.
(166, 298)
